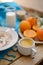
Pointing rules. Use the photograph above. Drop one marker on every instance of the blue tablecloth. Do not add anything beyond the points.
(3, 22)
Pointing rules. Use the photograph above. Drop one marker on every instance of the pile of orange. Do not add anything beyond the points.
(30, 29)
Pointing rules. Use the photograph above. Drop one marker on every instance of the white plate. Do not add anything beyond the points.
(36, 41)
(14, 35)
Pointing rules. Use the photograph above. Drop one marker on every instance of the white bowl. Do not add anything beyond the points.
(14, 35)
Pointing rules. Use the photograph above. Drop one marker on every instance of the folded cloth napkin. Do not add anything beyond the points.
(3, 22)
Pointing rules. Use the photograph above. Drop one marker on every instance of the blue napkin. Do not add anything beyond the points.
(3, 22)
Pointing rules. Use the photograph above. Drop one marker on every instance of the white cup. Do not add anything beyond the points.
(27, 50)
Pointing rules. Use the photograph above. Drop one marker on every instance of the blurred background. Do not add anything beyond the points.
(35, 4)
(6, 0)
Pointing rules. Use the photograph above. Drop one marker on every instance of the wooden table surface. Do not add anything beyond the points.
(22, 60)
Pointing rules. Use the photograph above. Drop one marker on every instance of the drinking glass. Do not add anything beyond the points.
(11, 17)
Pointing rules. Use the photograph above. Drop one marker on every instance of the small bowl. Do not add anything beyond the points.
(21, 14)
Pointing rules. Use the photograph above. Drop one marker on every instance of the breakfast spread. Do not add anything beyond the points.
(30, 28)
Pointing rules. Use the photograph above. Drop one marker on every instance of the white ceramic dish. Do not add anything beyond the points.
(27, 50)
(36, 41)
(14, 38)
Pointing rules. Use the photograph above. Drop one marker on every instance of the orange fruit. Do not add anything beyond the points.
(40, 34)
(33, 21)
(30, 33)
(35, 28)
(24, 25)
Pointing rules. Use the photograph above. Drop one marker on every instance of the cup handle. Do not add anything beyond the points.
(33, 52)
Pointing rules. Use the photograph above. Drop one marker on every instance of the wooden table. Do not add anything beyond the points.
(22, 60)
